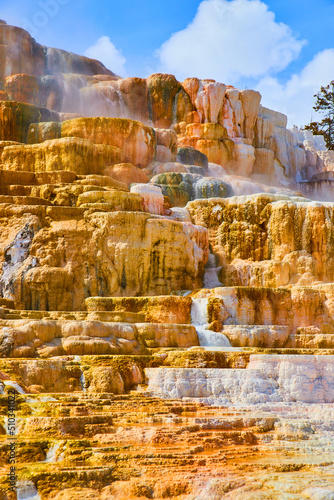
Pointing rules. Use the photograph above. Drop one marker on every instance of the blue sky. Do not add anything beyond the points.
(283, 48)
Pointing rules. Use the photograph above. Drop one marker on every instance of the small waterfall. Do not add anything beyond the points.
(199, 311)
(214, 341)
(83, 382)
(14, 385)
(26, 490)
(207, 338)
(77, 359)
(117, 101)
(71, 102)
(51, 455)
(210, 278)
(102, 99)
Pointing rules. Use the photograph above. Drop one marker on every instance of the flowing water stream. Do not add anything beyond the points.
(212, 341)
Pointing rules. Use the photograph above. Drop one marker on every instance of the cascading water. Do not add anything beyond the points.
(71, 102)
(121, 108)
(83, 382)
(14, 385)
(51, 455)
(82, 376)
(213, 341)
(207, 338)
(210, 278)
(26, 490)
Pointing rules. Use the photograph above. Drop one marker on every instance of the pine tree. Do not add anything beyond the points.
(324, 104)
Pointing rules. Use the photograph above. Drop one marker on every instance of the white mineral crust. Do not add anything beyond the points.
(268, 378)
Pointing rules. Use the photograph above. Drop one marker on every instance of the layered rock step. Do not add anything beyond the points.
(109, 443)
(99, 253)
(247, 316)
(95, 443)
(29, 338)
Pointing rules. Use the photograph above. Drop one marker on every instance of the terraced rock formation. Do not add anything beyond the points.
(166, 288)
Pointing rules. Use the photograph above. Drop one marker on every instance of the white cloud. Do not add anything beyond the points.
(229, 41)
(295, 98)
(106, 52)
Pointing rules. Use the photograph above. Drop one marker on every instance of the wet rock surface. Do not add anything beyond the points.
(124, 447)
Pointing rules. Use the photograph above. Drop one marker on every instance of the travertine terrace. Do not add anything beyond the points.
(166, 287)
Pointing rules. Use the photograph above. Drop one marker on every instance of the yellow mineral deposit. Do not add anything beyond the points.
(166, 288)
